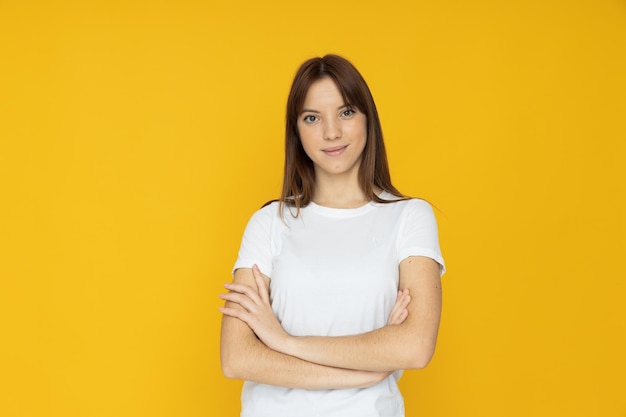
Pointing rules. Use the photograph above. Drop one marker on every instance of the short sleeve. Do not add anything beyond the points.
(256, 244)
(418, 235)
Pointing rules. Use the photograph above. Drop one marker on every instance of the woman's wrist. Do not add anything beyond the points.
(290, 345)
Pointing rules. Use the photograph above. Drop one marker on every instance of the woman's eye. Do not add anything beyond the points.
(348, 113)
(310, 118)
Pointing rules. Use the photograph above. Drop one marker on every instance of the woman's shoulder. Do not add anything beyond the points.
(412, 203)
(270, 212)
(267, 210)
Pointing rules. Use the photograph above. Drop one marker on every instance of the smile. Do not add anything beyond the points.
(335, 151)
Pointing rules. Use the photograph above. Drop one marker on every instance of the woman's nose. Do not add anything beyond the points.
(332, 130)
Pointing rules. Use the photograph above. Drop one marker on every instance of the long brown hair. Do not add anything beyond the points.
(299, 175)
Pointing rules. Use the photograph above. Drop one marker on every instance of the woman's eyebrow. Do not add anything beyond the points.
(317, 111)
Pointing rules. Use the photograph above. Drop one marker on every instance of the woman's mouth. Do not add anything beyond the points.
(335, 150)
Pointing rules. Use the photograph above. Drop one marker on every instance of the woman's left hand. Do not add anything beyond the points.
(399, 312)
(256, 310)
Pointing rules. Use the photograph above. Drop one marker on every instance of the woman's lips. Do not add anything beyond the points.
(335, 151)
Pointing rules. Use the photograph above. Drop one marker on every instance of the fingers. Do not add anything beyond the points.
(404, 298)
(233, 312)
(243, 289)
(399, 311)
(241, 299)
(247, 297)
(262, 286)
(243, 295)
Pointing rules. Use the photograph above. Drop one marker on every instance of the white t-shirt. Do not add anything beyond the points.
(334, 272)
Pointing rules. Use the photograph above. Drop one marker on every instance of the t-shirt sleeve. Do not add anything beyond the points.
(256, 244)
(419, 234)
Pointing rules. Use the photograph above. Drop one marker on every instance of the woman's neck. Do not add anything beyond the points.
(340, 194)
(341, 201)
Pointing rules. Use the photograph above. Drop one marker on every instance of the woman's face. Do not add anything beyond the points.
(333, 135)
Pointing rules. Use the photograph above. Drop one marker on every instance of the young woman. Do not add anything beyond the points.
(337, 285)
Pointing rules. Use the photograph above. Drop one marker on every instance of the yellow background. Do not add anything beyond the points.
(138, 137)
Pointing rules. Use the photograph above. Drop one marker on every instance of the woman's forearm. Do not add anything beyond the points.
(249, 359)
(384, 349)
(409, 345)
(244, 356)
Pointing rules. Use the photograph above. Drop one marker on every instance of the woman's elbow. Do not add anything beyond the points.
(229, 368)
(229, 372)
(420, 358)
(235, 349)
(420, 361)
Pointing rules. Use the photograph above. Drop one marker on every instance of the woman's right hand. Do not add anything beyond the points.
(399, 312)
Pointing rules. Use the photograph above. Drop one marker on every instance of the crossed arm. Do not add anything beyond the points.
(255, 347)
